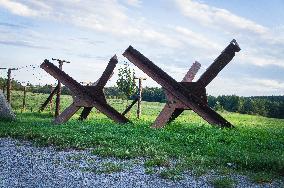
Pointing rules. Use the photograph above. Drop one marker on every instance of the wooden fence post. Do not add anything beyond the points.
(139, 96)
(9, 86)
(58, 93)
(51, 101)
(24, 99)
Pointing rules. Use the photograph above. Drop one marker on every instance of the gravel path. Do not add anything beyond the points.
(23, 165)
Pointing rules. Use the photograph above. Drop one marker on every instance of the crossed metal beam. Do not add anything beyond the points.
(174, 107)
(185, 95)
(85, 96)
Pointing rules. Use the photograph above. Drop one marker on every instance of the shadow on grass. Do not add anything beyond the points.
(35, 114)
(7, 120)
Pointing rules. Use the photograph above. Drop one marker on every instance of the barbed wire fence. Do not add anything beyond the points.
(28, 95)
(31, 100)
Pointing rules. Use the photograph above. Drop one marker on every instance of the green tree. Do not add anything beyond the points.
(211, 101)
(126, 82)
(219, 106)
(247, 107)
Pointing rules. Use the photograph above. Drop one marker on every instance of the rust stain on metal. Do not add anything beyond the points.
(85, 96)
(185, 95)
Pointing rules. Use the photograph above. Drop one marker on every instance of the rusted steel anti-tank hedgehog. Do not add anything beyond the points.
(186, 94)
(85, 96)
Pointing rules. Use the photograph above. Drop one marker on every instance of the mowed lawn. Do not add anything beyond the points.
(255, 147)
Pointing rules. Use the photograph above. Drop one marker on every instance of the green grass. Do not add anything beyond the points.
(149, 171)
(262, 177)
(255, 145)
(104, 168)
(157, 161)
(171, 173)
(222, 183)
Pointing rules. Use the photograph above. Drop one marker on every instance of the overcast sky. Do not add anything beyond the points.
(171, 33)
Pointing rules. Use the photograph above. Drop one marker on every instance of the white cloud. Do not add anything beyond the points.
(273, 84)
(135, 3)
(260, 45)
(108, 17)
(245, 86)
(196, 39)
(260, 59)
(217, 17)
(17, 8)
(159, 37)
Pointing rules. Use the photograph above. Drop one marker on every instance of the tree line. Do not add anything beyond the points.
(269, 106)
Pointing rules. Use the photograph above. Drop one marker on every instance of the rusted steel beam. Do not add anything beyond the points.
(219, 63)
(107, 73)
(174, 107)
(64, 78)
(130, 106)
(164, 116)
(83, 96)
(112, 113)
(86, 111)
(191, 72)
(98, 86)
(66, 114)
(48, 99)
(175, 114)
(177, 90)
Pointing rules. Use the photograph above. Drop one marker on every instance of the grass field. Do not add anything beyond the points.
(255, 147)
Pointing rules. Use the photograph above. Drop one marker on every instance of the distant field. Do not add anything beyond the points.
(255, 147)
